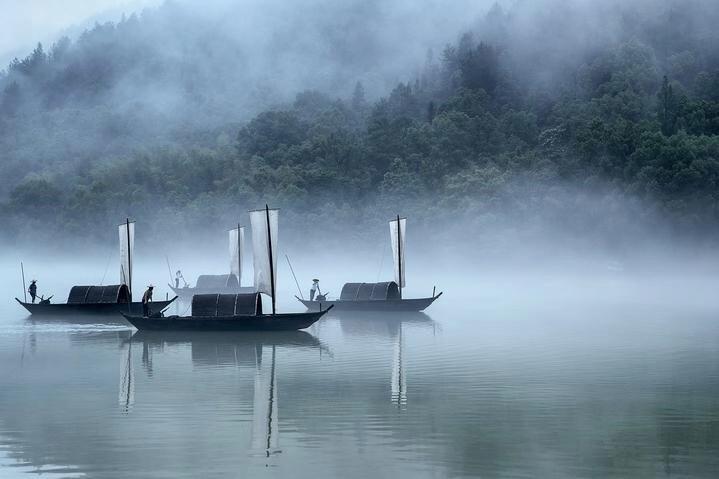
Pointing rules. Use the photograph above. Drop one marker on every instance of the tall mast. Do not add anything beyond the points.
(129, 257)
(399, 254)
(272, 266)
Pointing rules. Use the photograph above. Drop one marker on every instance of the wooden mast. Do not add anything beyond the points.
(24, 288)
(399, 254)
(272, 268)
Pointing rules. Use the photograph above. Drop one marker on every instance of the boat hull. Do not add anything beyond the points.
(262, 322)
(97, 309)
(386, 305)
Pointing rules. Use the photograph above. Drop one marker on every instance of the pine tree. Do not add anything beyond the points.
(667, 109)
(358, 97)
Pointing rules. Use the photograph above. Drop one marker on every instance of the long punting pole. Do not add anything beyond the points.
(399, 254)
(24, 289)
(299, 290)
(272, 266)
(129, 257)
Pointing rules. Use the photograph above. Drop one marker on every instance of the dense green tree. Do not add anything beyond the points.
(668, 108)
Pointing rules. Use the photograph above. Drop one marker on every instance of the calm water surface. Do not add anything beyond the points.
(607, 385)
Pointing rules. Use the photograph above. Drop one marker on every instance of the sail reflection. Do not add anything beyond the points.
(252, 350)
(399, 377)
(391, 326)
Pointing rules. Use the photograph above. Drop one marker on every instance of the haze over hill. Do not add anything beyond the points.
(521, 118)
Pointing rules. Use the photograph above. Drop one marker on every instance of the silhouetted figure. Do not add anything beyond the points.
(146, 300)
(33, 289)
(315, 289)
(178, 277)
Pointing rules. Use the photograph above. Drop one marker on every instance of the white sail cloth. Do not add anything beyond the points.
(127, 247)
(237, 252)
(259, 220)
(397, 229)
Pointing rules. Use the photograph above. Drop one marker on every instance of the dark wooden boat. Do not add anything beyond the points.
(65, 309)
(212, 283)
(227, 312)
(239, 312)
(372, 297)
(219, 283)
(94, 300)
(384, 297)
(262, 322)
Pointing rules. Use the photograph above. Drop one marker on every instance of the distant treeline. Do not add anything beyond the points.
(611, 136)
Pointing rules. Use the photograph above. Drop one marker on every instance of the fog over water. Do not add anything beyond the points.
(521, 374)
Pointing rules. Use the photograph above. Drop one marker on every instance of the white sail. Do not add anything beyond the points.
(265, 426)
(237, 252)
(398, 249)
(261, 249)
(127, 247)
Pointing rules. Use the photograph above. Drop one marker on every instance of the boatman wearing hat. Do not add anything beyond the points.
(146, 300)
(315, 289)
(33, 289)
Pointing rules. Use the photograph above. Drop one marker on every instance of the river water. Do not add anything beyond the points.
(523, 376)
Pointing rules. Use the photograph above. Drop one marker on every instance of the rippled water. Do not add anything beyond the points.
(607, 384)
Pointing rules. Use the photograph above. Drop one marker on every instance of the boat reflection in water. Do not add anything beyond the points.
(257, 350)
(390, 326)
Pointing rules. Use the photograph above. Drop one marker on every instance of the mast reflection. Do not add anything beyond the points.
(265, 421)
(126, 396)
(391, 326)
(257, 351)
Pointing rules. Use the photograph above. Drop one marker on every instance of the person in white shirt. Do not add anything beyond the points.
(315, 289)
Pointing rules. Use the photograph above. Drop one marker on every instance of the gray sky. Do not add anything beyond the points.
(25, 22)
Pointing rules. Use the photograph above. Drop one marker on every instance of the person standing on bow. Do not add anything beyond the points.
(315, 289)
(33, 290)
(146, 300)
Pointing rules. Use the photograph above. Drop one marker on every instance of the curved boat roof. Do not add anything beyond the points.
(226, 304)
(219, 281)
(370, 291)
(115, 293)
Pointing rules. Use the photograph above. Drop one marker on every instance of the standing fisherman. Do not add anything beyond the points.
(146, 300)
(315, 289)
(179, 276)
(33, 289)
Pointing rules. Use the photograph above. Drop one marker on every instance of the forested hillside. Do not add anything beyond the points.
(537, 115)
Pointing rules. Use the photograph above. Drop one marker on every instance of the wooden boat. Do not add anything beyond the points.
(250, 322)
(372, 297)
(386, 296)
(94, 300)
(102, 300)
(239, 312)
(221, 283)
